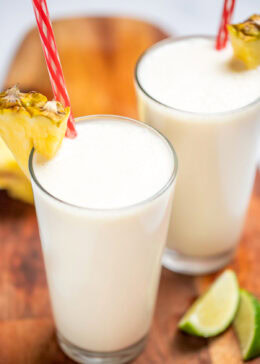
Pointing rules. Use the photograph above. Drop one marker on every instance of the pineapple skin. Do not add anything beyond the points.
(28, 120)
(245, 40)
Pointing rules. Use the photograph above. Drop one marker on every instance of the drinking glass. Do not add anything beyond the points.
(217, 155)
(103, 267)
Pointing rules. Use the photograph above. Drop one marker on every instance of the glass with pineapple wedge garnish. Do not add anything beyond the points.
(92, 199)
(207, 103)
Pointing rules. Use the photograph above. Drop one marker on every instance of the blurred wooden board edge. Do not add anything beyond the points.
(98, 56)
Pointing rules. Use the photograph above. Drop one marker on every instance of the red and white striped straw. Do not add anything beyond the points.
(227, 13)
(52, 59)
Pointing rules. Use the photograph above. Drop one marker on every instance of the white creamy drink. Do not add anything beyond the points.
(208, 105)
(104, 239)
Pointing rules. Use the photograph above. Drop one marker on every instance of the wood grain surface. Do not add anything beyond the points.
(98, 57)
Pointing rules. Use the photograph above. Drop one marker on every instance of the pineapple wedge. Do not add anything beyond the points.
(29, 120)
(245, 39)
(12, 178)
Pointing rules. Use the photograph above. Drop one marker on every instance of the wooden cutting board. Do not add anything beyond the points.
(98, 57)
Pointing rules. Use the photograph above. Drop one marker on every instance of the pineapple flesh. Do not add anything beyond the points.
(12, 178)
(29, 120)
(245, 39)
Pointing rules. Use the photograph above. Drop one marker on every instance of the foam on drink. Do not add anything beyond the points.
(110, 165)
(192, 75)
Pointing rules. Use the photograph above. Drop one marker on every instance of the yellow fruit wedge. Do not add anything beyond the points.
(29, 120)
(12, 178)
(245, 39)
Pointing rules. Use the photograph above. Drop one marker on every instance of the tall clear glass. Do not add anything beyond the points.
(217, 155)
(103, 267)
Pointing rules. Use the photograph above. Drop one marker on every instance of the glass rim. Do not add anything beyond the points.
(195, 113)
(123, 208)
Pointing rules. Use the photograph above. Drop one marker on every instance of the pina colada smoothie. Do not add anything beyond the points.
(208, 105)
(104, 232)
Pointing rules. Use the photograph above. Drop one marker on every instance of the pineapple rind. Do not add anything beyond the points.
(245, 39)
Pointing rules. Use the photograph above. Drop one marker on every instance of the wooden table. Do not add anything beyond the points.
(98, 57)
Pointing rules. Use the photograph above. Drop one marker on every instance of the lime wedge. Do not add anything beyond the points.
(247, 325)
(213, 312)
